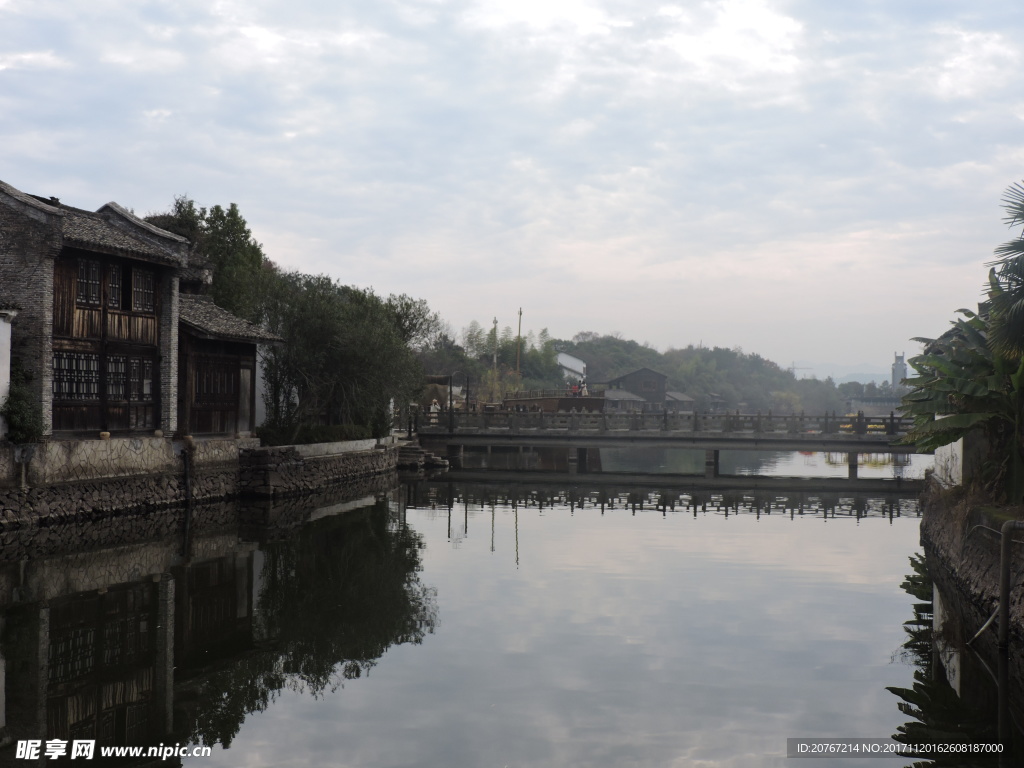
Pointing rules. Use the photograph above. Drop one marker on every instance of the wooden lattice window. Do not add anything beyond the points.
(76, 376)
(115, 287)
(143, 290)
(117, 366)
(88, 282)
(216, 381)
(140, 379)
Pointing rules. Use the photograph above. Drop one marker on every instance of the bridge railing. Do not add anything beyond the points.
(518, 422)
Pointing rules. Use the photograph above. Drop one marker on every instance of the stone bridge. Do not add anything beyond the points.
(709, 432)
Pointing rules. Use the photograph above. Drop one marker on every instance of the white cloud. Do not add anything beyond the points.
(579, 16)
(677, 156)
(744, 39)
(971, 63)
(31, 60)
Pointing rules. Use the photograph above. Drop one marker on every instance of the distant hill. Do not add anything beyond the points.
(844, 372)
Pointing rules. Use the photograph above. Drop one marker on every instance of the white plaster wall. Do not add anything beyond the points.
(5, 365)
(949, 464)
(61, 461)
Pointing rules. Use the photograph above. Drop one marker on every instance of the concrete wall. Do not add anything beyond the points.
(330, 449)
(73, 461)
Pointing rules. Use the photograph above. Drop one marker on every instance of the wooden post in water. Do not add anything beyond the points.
(851, 463)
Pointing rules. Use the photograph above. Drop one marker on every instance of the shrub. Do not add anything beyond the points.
(22, 414)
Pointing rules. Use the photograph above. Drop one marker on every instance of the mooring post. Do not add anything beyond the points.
(851, 463)
(187, 454)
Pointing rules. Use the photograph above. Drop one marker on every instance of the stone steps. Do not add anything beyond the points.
(411, 456)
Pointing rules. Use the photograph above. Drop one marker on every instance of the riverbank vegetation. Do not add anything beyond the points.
(346, 353)
(715, 377)
(969, 381)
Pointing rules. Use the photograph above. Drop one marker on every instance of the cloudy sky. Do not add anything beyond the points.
(812, 181)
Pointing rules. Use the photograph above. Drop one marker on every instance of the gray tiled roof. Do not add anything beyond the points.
(681, 396)
(620, 394)
(93, 231)
(201, 314)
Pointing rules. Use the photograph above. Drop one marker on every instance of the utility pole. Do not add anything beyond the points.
(495, 393)
(519, 341)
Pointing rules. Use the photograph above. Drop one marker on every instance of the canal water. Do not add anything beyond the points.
(437, 624)
(682, 461)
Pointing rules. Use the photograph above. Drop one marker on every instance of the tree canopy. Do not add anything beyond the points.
(970, 380)
(347, 353)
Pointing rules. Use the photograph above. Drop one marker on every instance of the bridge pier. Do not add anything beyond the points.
(851, 464)
(711, 463)
(578, 461)
(454, 456)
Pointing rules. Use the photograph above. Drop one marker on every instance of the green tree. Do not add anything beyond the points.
(21, 410)
(221, 239)
(237, 262)
(346, 355)
(961, 387)
(1006, 282)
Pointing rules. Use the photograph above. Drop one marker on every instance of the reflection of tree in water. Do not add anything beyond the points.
(940, 716)
(334, 597)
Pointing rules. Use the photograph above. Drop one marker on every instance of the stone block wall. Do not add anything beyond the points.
(45, 512)
(30, 239)
(168, 343)
(283, 471)
(222, 451)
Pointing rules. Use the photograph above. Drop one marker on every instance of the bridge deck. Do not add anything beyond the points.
(673, 430)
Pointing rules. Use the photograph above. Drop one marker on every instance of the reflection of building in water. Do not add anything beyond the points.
(136, 645)
(107, 668)
(215, 600)
(88, 645)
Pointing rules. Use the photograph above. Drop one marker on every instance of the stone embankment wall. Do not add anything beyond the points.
(74, 482)
(284, 471)
(962, 544)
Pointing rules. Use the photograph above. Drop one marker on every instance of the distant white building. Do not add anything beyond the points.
(572, 367)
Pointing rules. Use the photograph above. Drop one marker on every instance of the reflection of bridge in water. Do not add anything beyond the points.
(488, 491)
(576, 433)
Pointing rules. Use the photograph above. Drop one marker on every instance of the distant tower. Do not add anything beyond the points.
(899, 370)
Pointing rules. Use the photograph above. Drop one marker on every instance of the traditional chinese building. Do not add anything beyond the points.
(109, 345)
